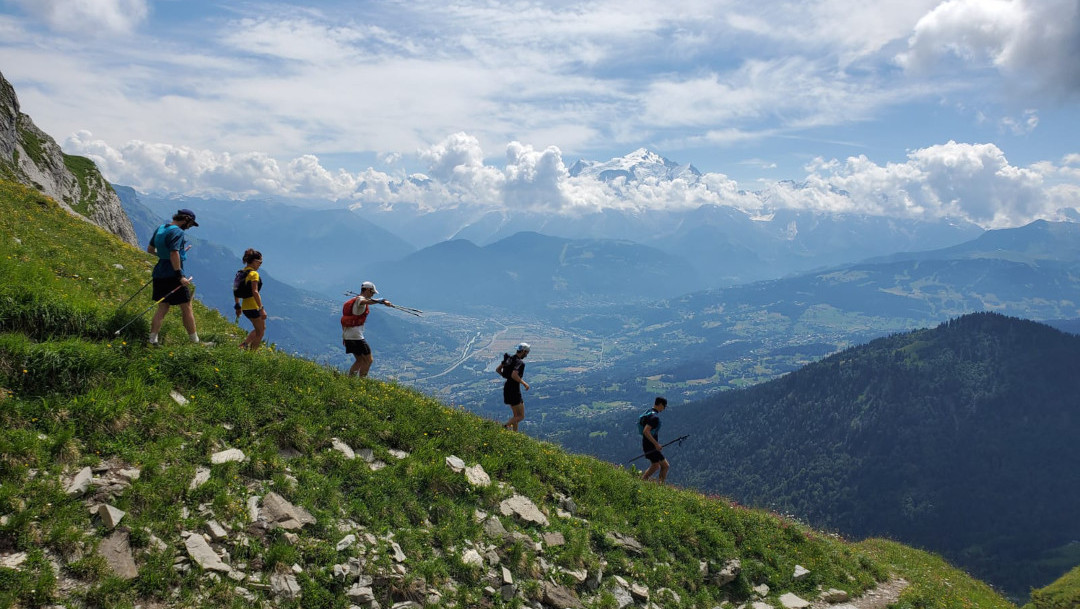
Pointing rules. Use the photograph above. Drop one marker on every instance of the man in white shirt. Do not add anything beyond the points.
(352, 328)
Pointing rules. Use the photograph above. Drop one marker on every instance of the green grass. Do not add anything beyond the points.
(89, 179)
(72, 394)
(1062, 594)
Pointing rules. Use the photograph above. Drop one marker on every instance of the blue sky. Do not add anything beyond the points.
(963, 108)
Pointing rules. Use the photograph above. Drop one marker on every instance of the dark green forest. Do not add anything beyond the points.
(960, 439)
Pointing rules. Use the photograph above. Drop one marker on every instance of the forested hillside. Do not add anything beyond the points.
(959, 438)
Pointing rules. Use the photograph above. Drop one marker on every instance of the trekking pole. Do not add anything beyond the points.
(679, 440)
(409, 310)
(139, 291)
(143, 312)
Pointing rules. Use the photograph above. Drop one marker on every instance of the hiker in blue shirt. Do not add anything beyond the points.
(170, 285)
(649, 425)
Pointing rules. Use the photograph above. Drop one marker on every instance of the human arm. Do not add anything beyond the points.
(174, 260)
(517, 377)
(647, 433)
(258, 299)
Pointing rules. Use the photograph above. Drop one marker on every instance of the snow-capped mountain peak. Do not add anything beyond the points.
(641, 164)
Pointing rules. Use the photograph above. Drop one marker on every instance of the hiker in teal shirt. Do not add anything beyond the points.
(649, 426)
(170, 284)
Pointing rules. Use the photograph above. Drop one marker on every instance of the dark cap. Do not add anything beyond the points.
(188, 213)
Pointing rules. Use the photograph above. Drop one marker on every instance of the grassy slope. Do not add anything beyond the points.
(72, 394)
(1062, 594)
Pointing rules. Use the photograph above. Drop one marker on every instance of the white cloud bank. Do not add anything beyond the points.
(1034, 42)
(973, 182)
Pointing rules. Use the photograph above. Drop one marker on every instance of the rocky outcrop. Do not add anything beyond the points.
(30, 156)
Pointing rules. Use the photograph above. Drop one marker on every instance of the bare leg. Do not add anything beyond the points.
(364, 362)
(254, 338)
(519, 416)
(159, 317)
(188, 316)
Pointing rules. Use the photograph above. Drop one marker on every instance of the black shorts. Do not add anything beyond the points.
(512, 394)
(653, 455)
(164, 285)
(357, 347)
(252, 313)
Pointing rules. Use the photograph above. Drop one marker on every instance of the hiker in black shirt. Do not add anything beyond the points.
(649, 425)
(512, 369)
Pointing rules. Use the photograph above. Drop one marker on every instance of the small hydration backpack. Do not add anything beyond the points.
(241, 288)
(507, 368)
(348, 320)
(641, 421)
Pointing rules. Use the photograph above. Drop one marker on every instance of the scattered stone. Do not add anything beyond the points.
(399, 556)
(130, 475)
(227, 456)
(566, 503)
(524, 509)
(80, 482)
(493, 527)
(109, 515)
(178, 397)
(345, 542)
(13, 561)
(253, 507)
(203, 554)
(639, 592)
(244, 594)
(578, 575)
(625, 542)
(361, 595)
(472, 557)
(455, 463)
(406, 605)
(728, 573)
(762, 590)
(559, 596)
(342, 448)
(202, 476)
(376, 465)
(507, 577)
(397, 454)
(662, 592)
(477, 476)
(800, 572)
(285, 584)
(554, 539)
(366, 454)
(832, 595)
(279, 512)
(790, 601)
(217, 532)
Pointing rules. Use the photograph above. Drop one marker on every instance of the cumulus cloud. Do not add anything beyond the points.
(92, 17)
(973, 182)
(1034, 42)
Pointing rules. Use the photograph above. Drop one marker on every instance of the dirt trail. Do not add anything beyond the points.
(877, 598)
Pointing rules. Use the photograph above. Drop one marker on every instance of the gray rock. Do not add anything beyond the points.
(473, 558)
(342, 448)
(285, 584)
(116, 550)
(279, 512)
(507, 578)
(216, 531)
(345, 542)
(455, 463)
(178, 397)
(566, 503)
(227, 456)
(360, 595)
(80, 482)
(728, 573)
(790, 601)
(622, 596)
(553, 539)
(477, 476)
(639, 592)
(366, 454)
(399, 556)
(800, 572)
(762, 590)
(202, 476)
(109, 515)
(493, 527)
(625, 542)
(523, 508)
(562, 597)
(832, 595)
(376, 465)
(203, 554)
(397, 454)
(253, 508)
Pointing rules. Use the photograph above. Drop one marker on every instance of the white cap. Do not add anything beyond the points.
(368, 284)
(523, 347)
